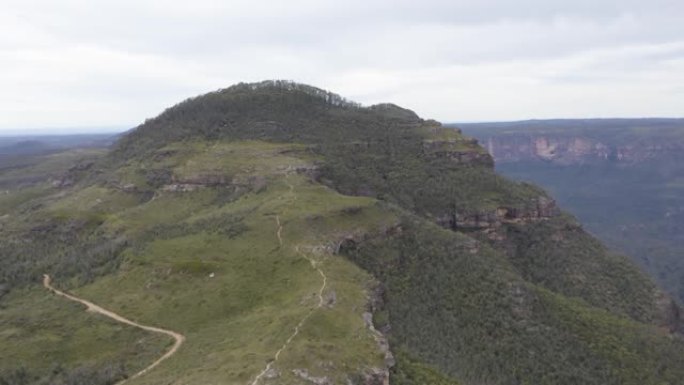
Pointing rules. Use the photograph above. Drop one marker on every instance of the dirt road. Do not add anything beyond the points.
(179, 338)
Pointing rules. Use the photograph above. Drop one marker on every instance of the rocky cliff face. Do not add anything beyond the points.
(564, 149)
(490, 222)
(515, 148)
(457, 152)
(582, 141)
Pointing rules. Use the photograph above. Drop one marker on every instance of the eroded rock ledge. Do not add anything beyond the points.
(538, 209)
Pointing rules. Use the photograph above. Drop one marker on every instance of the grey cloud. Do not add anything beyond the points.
(126, 60)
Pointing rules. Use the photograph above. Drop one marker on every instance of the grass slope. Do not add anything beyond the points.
(216, 271)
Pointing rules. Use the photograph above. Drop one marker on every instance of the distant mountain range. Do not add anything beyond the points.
(35, 144)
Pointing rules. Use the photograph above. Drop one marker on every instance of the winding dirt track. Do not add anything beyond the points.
(179, 338)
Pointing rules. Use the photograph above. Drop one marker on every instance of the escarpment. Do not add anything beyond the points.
(575, 142)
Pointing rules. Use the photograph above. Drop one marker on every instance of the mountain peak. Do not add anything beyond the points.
(288, 87)
(276, 110)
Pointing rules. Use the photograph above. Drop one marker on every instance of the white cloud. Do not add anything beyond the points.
(93, 63)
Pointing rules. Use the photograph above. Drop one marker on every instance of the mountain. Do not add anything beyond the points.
(276, 233)
(621, 177)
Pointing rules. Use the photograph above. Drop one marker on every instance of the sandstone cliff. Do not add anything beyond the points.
(582, 141)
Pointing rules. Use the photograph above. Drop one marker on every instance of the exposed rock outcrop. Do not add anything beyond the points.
(72, 175)
(378, 376)
(205, 179)
(457, 150)
(375, 376)
(539, 209)
(670, 313)
(304, 374)
(238, 184)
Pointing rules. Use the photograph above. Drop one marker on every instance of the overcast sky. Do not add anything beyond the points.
(87, 63)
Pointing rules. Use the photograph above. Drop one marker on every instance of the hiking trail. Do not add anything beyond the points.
(314, 265)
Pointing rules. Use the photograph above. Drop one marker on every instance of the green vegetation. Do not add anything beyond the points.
(412, 372)
(261, 222)
(472, 316)
(47, 340)
(383, 151)
(559, 256)
(634, 205)
(644, 217)
(209, 267)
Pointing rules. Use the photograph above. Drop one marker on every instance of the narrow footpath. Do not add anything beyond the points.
(314, 265)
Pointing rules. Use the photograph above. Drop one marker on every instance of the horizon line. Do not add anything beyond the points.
(118, 129)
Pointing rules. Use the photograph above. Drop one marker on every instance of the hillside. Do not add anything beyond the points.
(622, 178)
(294, 237)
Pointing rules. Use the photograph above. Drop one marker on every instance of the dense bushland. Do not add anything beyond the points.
(472, 316)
